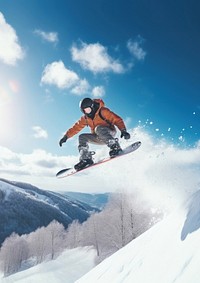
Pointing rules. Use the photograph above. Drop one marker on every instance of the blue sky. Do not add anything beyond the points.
(141, 57)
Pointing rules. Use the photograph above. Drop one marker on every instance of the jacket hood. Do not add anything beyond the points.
(100, 101)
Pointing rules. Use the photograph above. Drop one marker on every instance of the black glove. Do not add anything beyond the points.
(125, 134)
(64, 139)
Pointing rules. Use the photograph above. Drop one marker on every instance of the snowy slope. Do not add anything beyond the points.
(68, 267)
(168, 253)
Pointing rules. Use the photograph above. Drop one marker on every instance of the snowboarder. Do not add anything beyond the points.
(102, 122)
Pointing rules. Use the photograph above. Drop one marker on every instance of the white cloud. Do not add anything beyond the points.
(82, 87)
(159, 167)
(10, 49)
(98, 91)
(48, 36)
(94, 57)
(136, 50)
(39, 133)
(37, 168)
(57, 74)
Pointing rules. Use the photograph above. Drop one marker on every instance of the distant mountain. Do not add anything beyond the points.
(24, 208)
(96, 200)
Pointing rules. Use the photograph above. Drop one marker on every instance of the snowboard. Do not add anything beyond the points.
(71, 171)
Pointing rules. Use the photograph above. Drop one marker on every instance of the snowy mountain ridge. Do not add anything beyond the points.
(24, 208)
(95, 200)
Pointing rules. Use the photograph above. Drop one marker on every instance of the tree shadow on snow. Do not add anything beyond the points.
(192, 221)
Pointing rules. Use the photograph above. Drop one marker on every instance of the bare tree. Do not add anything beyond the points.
(74, 235)
(13, 252)
(55, 237)
(117, 215)
(38, 245)
(91, 232)
(123, 219)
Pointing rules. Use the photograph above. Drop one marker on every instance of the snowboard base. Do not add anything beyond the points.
(71, 171)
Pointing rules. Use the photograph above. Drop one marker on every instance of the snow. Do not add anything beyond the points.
(68, 267)
(164, 175)
(168, 253)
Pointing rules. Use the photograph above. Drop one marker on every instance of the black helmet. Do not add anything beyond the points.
(86, 102)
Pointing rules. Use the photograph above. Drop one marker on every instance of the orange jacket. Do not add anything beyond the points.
(113, 119)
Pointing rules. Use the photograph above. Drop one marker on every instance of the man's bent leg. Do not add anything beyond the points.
(107, 135)
(85, 154)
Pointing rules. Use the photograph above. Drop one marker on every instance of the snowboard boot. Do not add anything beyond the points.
(115, 148)
(83, 164)
(85, 158)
